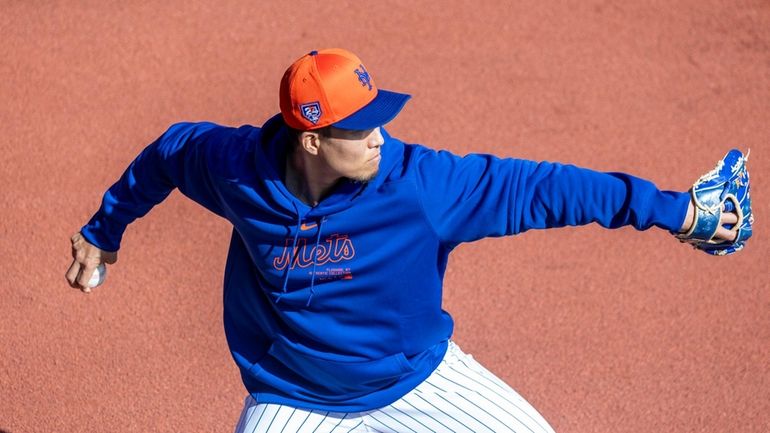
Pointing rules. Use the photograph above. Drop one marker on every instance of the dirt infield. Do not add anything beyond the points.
(602, 331)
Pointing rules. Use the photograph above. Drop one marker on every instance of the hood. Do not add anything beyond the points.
(270, 157)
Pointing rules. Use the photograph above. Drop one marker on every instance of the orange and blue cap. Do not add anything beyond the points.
(332, 87)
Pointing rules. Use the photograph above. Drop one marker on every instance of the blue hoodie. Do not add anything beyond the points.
(338, 307)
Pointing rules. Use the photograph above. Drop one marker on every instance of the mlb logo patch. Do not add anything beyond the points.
(311, 111)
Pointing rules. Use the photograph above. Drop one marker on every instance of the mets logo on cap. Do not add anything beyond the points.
(311, 111)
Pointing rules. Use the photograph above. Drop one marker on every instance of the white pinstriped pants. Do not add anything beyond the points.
(460, 396)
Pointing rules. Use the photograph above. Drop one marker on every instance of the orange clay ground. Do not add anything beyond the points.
(603, 331)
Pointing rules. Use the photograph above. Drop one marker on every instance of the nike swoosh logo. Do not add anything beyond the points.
(307, 226)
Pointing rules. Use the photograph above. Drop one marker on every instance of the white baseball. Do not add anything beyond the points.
(100, 273)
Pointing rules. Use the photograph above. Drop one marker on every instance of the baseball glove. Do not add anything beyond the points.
(723, 189)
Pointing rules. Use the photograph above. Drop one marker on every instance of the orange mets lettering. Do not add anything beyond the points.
(333, 249)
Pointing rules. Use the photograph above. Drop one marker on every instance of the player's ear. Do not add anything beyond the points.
(310, 141)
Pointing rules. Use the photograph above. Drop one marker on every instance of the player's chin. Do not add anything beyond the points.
(365, 177)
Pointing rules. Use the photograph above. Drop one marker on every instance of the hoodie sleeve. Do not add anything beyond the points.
(468, 198)
(177, 159)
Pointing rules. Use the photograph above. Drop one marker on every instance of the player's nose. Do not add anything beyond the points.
(376, 140)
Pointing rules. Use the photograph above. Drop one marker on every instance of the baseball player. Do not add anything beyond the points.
(341, 236)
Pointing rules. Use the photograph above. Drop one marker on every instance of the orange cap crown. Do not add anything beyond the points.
(323, 87)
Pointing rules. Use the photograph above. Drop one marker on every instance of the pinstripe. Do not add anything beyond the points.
(274, 416)
(483, 386)
(390, 429)
(394, 419)
(264, 409)
(508, 412)
(428, 382)
(485, 397)
(425, 413)
(361, 422)
(499, 421)
(250, 415)
(322, 421)
(506, 400)
(288, 420)
(462, 361)
(409, 416)
(521, 404)
(305, 420)
(338, 424)
(494, 380)
(455, 383)
(444, 413)
(466, 413)
(503, 397)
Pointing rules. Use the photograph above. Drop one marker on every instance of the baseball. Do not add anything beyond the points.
(97, 278)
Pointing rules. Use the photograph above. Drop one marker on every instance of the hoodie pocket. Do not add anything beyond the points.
(337, 374)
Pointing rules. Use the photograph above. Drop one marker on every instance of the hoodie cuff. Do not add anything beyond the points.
(671, 210)
(103, 233)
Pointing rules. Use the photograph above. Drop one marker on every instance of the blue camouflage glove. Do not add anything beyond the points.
(723, 189)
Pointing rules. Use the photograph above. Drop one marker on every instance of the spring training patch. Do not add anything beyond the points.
(311, 111)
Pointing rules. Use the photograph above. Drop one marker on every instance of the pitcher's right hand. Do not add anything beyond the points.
(86, 257)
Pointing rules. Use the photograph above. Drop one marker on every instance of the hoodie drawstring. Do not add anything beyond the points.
(288, 266)
(315, 260)
(293, 257)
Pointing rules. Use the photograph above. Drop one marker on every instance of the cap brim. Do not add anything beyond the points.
(383, 108)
